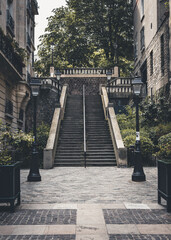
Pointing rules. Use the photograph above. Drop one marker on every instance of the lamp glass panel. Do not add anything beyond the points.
(35, 90)
(109, 76)
(137, 89)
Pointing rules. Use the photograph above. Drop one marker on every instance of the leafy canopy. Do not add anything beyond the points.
(96, 33)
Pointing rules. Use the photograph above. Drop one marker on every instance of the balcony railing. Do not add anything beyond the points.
(9, 107)
(8, 51)
(21, 114)
(86, 71)
(118, 86)
(10, 23)
(28, 77)
(34, 6)
(28, 41)
(29, 8)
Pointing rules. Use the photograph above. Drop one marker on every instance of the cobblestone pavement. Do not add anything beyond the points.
(138, 216)
(87, 204)
(90, 185)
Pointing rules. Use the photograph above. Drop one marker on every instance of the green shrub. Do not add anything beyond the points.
(164, 147)
(147, 146)
(42, 137)
(127, 120)
(127, 132)
(129, 140)
(18, 142)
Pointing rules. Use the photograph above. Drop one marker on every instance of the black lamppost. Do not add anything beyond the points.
(116, 58)
(34, 174)
(138, 174)
(109, 76)
(58, 77)
(52, 47)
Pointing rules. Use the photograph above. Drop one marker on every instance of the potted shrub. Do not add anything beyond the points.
(164, 170)
(9, 173)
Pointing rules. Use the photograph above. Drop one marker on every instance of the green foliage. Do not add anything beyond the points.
(10, 141)
(165, 147)
(127, 120)
(84, 35)
(5, 158)
(156, 111)
(42, 137)
(147, 146)
(156, 132)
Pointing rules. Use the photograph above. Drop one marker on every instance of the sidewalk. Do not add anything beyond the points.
(87, 204)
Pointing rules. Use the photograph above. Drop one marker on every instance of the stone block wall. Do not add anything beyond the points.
(91, 84)
(46, 103)
(156, 80)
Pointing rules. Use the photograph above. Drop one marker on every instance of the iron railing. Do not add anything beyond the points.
(9, 107)
(84, 123)
(8, 51)
(49, 83)
(86, 71)
(21, 114)
(28, 40)
(10, 23)
(120, 85)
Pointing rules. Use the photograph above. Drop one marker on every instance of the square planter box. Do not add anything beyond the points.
(10, 184)
(164, 182)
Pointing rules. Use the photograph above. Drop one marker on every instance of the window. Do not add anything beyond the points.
(162, 54)
(136, 47)
(142, 38)
(9, 19)
(151, 63)
(142, 9)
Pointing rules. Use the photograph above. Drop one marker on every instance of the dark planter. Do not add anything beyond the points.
(164, 182)
(10, 184)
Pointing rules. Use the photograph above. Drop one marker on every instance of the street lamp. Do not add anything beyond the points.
(34, 174)
(109, 76)
(115, 47)
(52, 47)
(58, 77)
(138, 174)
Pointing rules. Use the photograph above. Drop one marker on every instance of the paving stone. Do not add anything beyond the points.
(128, 216)
(91, 185)
(139, 237)
(38, 217)
(38, 237)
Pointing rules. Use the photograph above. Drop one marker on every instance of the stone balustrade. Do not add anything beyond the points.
(86, 71)
(120, 85)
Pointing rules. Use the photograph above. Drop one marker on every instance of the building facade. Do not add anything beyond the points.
(151, 43)
(16, 59)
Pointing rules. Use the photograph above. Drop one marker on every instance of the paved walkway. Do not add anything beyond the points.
(87, 204)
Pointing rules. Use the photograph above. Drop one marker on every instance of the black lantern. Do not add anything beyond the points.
(138, 174)
(109, 76)
(52, 48)
(58, 77)
(34, 174)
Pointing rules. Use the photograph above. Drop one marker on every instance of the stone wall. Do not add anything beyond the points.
(156, 80)
(47, 100)
(76, 84)
(46, 103)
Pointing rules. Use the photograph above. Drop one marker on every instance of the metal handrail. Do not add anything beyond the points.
(84, 123)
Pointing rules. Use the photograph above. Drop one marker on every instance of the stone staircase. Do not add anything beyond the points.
(70, 145)
(99, 144)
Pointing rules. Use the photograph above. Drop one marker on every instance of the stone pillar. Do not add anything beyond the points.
(52, 71)
(116, 71)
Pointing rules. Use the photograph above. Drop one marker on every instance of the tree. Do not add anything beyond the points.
(96, 33)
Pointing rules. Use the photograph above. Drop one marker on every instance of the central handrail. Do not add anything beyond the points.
(84, 123)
